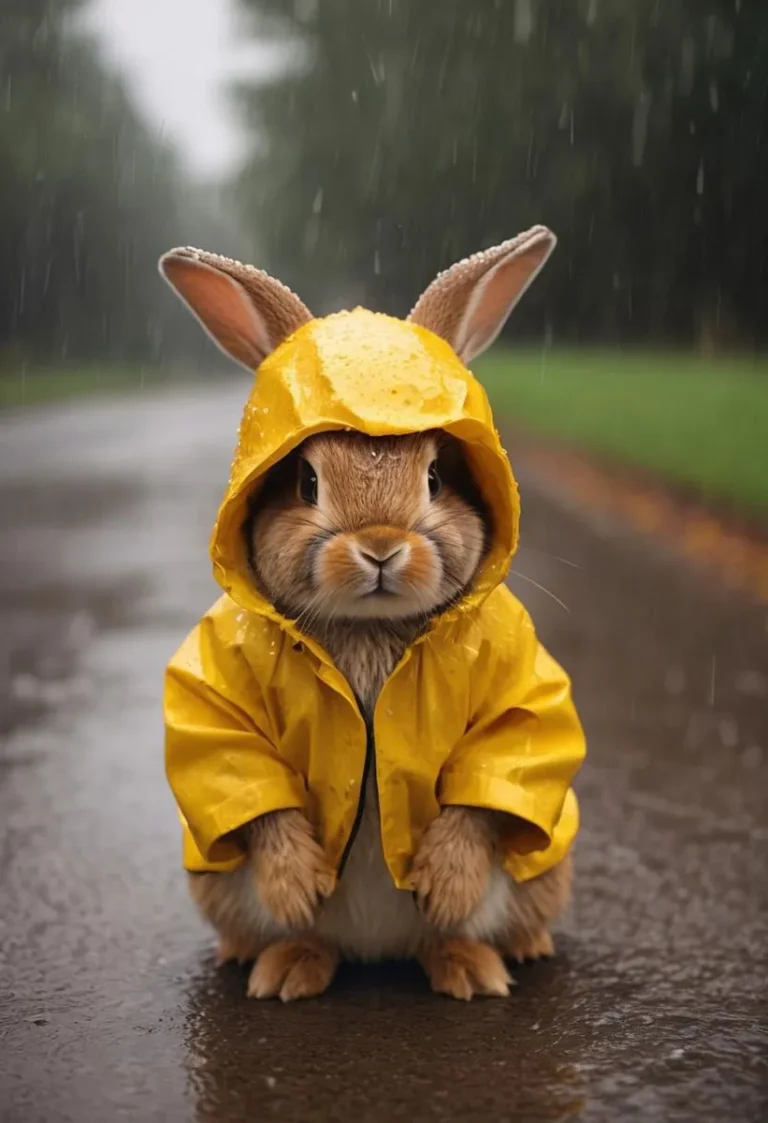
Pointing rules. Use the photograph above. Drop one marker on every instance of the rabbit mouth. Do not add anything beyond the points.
(380, 591)
(390, 598)
(386, 586)
(380, 605)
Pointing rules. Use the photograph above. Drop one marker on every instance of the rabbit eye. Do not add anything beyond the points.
(307, 482)
(435, 483)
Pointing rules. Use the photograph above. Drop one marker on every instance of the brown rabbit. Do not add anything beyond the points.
(366, 542)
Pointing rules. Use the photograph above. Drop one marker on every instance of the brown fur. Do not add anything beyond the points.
(291, 871)
(537, 903)
(367, 654)
(290, 969)
(453, 865)
(501, 274)
(527, 945)
(314, 562)
(246, 311)
(221, 900)
(229, 951)
(464, 968)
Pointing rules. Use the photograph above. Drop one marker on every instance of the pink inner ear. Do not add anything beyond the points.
(495, 297)
(223, 307)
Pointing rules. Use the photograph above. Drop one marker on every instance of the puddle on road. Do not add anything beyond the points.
(51, 615)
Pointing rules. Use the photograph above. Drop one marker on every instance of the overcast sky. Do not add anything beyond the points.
(178, 55)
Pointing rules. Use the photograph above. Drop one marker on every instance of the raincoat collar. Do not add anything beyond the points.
(377, 375)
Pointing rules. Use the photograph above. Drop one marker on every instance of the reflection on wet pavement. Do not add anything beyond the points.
(110, 1006)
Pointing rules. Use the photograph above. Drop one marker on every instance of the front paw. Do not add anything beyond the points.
(452, 867)
(292, 873)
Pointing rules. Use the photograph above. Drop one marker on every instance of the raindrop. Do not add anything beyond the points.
(640, 127)
(317, 202)
(700, 178)
(714, 96)
(378, 71)
(523, 22)
(712, 681)
(529, 159)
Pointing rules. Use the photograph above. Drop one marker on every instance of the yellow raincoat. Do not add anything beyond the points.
(258, 718)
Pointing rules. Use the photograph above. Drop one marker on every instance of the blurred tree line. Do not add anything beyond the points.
(89, 197)
(408, 134)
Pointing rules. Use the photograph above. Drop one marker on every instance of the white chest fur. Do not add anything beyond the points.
(367, 917)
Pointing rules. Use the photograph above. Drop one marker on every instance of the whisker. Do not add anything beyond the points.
(311, 611)
(554, 557)
(422, 614)
(530, 580)
(422, 526)
(323, 529)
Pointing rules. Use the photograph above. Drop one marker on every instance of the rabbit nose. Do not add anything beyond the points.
(380, 545)
(383, 557)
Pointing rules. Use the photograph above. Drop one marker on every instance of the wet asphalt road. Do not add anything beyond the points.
(110, 1006)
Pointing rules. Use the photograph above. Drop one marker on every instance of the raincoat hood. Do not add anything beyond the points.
(380, 376)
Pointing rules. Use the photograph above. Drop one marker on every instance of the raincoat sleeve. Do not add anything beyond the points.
(524, 742)
(221, 763)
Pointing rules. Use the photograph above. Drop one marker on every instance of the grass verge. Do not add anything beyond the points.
(36, 387)
(700, 423)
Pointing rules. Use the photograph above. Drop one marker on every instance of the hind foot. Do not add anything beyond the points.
(529, 945)
(234, 951)
(464, 968)
(289, 969)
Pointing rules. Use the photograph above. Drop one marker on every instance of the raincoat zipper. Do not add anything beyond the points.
(370, 753)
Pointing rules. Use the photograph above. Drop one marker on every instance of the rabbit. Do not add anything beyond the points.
(466, 913)
(365, 541)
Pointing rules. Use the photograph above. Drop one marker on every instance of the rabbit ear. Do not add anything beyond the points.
(247, 312)
(468, 305)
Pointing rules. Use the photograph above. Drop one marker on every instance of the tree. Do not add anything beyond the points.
(89, 198)
(405, 135)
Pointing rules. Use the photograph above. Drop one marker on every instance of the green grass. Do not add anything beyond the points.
(35, 387)
(701, 423)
